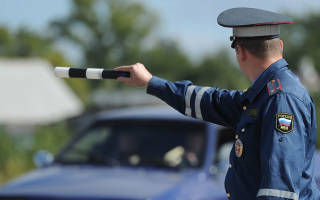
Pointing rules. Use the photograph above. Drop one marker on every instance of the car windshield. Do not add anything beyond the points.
(163, 144)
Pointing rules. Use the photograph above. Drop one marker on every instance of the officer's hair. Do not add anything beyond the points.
(261, 48)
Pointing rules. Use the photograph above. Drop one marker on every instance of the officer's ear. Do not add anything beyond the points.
(281, 45)
(241, 53)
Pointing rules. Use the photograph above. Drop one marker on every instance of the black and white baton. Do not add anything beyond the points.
(89, 73)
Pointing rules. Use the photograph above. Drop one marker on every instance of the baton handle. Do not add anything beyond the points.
(89, 73)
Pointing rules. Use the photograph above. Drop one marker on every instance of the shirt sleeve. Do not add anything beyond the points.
(282, 147)
(204, 103)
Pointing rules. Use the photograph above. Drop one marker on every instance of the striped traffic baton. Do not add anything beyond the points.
(89, 73)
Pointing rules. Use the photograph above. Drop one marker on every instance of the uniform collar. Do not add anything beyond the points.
(263, 79)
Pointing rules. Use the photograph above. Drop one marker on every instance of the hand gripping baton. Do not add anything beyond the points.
(89, 73)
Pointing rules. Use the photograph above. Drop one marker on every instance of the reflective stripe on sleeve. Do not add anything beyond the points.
(188, 100)
(197, 104)
(277, 193)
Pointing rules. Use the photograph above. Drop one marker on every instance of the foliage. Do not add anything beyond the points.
(17, 150)
(25, 43)
(105, 35)
(112, 39)
(218, 70)
(316, 99)
(302, 39)
(165, 59)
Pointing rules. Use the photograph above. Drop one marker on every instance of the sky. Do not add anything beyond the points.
(190, 22)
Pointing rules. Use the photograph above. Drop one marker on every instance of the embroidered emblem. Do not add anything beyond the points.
(284, 122)
(253, 112)
(238, 148)
(274, 86)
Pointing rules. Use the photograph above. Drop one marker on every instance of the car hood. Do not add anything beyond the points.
(89, 181)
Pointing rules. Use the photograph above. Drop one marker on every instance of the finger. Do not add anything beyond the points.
(123, 68)
(124, 79)
(139, 64)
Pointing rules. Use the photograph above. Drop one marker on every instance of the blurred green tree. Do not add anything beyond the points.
(219, 70)
(316, 98)
(111, 33)
(25, 43)
(108, 33)
(16, 151)
(165, 59)
(302, 40)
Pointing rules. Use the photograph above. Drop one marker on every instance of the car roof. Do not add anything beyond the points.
(142, 113)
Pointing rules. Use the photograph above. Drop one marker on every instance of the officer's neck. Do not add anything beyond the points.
(255, 66)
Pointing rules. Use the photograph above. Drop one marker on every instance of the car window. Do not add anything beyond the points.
(79, 151)
(224, 145)
(162, 144)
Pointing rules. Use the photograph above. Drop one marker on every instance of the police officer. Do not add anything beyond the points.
(275, 119)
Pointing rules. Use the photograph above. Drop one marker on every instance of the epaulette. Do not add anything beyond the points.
(274, 87)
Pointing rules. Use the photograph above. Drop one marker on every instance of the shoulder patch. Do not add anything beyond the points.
(284, 122)
(274, 87)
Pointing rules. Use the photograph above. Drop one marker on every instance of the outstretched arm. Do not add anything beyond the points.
(204, 103)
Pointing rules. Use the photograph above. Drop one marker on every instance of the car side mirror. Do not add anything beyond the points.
(42, 158)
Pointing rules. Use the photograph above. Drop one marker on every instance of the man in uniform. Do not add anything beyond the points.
(274, 120)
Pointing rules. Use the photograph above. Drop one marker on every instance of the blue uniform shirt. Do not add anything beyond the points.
(275, 125)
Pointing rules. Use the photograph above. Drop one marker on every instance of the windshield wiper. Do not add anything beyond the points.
(91, 158)
(98, 159)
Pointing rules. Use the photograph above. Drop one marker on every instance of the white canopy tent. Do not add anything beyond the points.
(30, 94)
